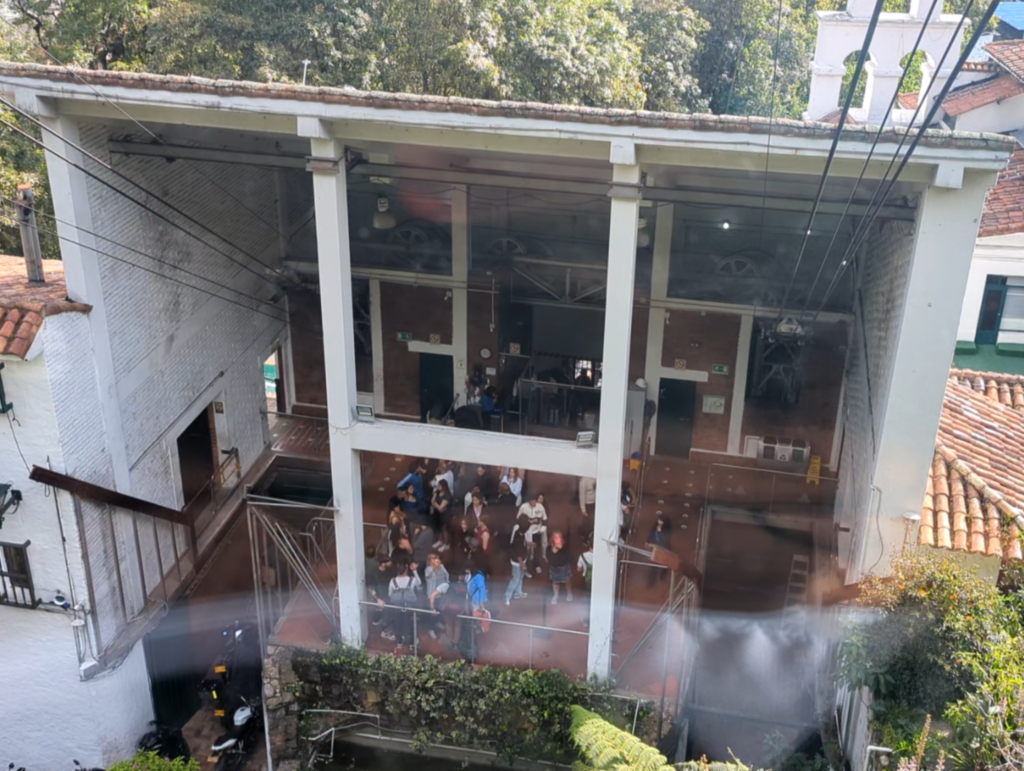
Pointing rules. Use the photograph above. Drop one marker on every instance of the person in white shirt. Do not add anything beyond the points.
(444, 471)
(534, 511)
(588, 495)
(515, 484)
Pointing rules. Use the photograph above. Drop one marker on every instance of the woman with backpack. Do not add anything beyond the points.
(402, 593)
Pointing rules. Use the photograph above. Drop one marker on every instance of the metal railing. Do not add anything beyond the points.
(476, 622)
(557, 406)
(16, 587)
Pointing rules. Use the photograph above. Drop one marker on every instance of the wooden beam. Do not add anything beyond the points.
(91, 492)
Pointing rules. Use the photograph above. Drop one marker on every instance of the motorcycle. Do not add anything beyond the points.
(238, 665)
(233, 749)
(165, 741)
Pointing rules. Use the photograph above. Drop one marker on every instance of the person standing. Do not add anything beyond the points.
(660, 536)
(535, 512)
(437, 583)
(441, 504)
(402, 593)
(560, 566)
(422, 544)
(517, 554)
(515, 484)
(414, 477)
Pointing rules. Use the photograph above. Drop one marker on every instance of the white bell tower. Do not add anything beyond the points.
(841, 33)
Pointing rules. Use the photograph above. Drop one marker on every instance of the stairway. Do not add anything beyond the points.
(797, 586)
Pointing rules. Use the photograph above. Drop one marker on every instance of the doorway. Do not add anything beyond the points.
(437, 386)
(676, 404)
(171, 665)
(196, 453)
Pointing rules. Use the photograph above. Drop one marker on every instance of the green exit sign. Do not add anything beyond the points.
(720, 369)
(404, 337)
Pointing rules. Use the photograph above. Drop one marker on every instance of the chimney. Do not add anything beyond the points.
(30, 235)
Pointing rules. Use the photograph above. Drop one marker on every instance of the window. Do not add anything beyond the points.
(991, 310)
(15, 576)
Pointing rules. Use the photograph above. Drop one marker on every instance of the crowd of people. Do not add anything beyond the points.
(451, 531)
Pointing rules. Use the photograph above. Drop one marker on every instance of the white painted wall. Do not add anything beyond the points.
(50, 716)
(996, 256)
(997, 117)
(95, 722)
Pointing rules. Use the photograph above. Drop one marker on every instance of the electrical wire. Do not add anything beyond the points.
(11, 421)
(847, 103)
(134, 184)
(936, 106)
(139, 252)
(771, 117)
(124, 112)
(874, 145)
(849, 256)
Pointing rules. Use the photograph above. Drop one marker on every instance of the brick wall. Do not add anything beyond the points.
(479, 334)
(171, 341)
(813, 419)
(704, 339)
(420, 311)
(884, 274)
(307, 330)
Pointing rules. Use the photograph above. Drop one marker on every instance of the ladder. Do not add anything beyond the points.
(797, 587)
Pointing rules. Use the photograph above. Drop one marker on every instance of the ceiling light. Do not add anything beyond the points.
(725, 225)
(383, 219)
(642, 239)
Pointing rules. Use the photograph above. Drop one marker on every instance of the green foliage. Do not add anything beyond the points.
(516, 713)
(21, 163)
(940, 641)
(150, 761)
(608, 748)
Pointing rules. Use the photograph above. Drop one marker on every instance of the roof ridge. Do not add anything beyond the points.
(975, 480)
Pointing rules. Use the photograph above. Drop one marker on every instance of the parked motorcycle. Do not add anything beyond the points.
(165, 741)
(233, 749)
(236, 670)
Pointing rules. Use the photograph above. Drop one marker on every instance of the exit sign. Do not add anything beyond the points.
(720, 369)
(404, 337)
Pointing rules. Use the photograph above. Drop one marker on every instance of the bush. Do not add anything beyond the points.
(150, 761)
(516, 713)
(940, 641)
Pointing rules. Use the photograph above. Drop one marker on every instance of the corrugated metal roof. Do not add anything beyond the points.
(1011, 14)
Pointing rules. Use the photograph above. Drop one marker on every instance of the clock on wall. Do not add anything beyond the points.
(485, 353)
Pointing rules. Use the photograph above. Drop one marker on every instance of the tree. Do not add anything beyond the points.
(607, 748)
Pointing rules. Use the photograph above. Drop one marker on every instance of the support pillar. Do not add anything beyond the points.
(625, 212)
(656, 319)
(377, 346)
(914, 391)
(739, 385)
(460, 296)
(330, 199)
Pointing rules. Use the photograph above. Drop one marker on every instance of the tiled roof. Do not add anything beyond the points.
(1008, 54)
(744, 124)
(981, 93)
(24, 306)
(974, 496)
(1004, 206)
(908, 101)
(833, 117)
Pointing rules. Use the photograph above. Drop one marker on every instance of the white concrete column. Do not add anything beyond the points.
(656, 319)
(460, 297)
(943, 244)
(625, 211)
(330, 200)
(82, 269)
(377, 346)
(739, 386)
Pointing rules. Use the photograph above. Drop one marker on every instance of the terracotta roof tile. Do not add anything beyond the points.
(24, 306)
(974, 495)
(1004, 206)
(1008, 54)
(909, 100)
(981, 93)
